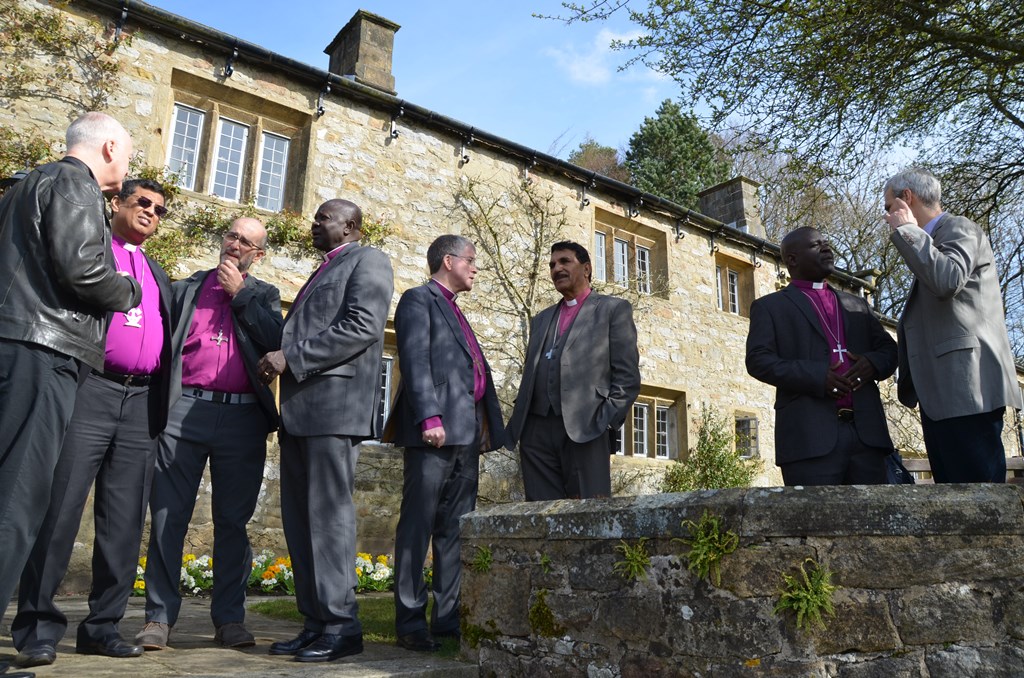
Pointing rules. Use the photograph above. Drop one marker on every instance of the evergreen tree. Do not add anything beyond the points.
(672, 156)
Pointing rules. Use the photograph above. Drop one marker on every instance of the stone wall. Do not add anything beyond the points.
(929, 582)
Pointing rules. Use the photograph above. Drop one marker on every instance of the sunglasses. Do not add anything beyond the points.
(145, 203)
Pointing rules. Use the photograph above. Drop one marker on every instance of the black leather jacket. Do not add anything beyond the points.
(57, 275)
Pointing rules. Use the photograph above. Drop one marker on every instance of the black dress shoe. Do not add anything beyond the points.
(111, 646)
(418, 641)
(329, 647)
(299, 642)
(36, 654)
(454, 633)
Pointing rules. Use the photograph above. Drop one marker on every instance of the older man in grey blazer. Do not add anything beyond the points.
(446, 413)
(954, 353)
(582, 374)
(330, 368)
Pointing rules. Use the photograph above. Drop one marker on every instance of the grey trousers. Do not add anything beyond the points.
(319, 516)
(440, 486)
(233, 438)
(37, 396)
(107, 442)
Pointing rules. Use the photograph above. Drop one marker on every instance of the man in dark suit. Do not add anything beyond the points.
(581, 376)
(955, 356)
(446, 413)
(58, 282)
(119, 412)
(823, 350)
(225, 319)
(330, 368)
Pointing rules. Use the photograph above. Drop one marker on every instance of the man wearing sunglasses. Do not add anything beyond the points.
(225, 319)
(58, 282)
(119, 412)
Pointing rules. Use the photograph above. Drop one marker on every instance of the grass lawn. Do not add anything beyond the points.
(377, 613)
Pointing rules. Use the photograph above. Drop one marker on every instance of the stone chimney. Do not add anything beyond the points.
(734, 202)
(362, 51)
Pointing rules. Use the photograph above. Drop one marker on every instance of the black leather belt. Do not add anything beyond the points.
(844, 414)
(219, 397)
(126, 379)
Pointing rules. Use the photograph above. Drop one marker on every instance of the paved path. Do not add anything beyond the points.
(193, 652)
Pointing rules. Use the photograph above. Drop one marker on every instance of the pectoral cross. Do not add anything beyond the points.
(220, 339)
(840, 350)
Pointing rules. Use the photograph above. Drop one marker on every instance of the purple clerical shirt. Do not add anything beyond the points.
(568, 310)
(826, 307)
(479, 374)
(328, 258)
(136, 338)
(211, 358)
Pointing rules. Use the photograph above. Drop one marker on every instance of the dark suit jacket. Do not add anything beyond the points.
(955, 356)
(256, 316)
(333, 343)
(437, 376)
(600, 369)
(787, 348)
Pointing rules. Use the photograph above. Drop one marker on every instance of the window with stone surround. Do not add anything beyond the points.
(655, 427)
(234, 145)
(734, 285)
(746, 436)
(637, 258)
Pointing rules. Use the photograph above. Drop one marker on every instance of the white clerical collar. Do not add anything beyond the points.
(130, 247)
(571, 302)
(818, 285)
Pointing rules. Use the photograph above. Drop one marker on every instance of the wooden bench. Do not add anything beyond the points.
(920, 467)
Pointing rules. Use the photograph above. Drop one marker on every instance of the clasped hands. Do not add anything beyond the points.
(838, 385)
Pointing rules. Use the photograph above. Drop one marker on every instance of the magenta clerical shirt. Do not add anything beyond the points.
(136, 338)
(211, 358)
(328, 258)
(568, 310)
(479, 374)
(826, 308)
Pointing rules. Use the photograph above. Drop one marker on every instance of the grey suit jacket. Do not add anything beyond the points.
(955, 356)
(333, 342)
(437, 376)
(787, 348)
(256, 316)
(600, 369)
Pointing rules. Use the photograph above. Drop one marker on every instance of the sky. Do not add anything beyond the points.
(487, 63)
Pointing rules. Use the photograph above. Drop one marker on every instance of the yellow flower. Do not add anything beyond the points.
(142, 562)
(140, 585)
(189, 557)
(365, 556)
(382, 559)
(359, 572)
(268, 575)
(281, 561)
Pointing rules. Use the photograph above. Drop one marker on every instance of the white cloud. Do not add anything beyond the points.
(594, 64)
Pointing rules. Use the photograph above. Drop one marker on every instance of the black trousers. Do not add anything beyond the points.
(850, 462)
(107, 442)
(555, 467)
(966, 449)
(37, 395)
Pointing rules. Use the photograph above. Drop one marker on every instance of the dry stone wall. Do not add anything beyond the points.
(929, 582)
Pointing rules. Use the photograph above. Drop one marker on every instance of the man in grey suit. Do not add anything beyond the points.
(954, 353)
(330, 368)
(446, 413)
(582, 374)
(221, 412)
(823, 350)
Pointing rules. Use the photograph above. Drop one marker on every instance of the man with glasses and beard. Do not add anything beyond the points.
(225, 319)
(119, 412)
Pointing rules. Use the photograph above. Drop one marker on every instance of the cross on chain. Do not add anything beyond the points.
(220, 339)
(840, 350)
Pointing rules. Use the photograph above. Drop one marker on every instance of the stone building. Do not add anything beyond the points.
(241, 124)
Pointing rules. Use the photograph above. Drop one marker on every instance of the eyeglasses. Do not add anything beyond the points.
(469, 260)
(145, 203)
(231, 236)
